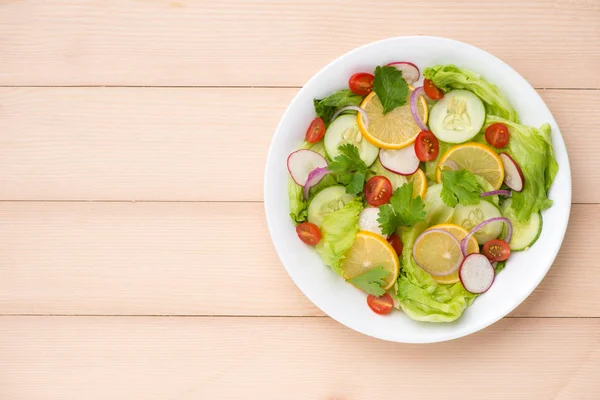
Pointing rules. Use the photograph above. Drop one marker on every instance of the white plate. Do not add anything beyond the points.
(343, 302)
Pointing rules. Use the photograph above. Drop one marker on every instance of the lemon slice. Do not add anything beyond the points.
(370, 251)
(459, 233)
(394, 130)
(419, 181)
(476, 158)
(437, 252)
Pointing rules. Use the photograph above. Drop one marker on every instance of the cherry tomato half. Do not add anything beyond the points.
(309, 233)
(315, 131)
(396, 243)
(497, 135)
(496, 250)
(361, 83)
(432, 91)
(380, 305)
(378, 190)
(426, 146)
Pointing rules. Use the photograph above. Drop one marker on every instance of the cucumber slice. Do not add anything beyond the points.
(458, 117)
(469, 216)
(326, 201)
(344, 129)
(524, 234)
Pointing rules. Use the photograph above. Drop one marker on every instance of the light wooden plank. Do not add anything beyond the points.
(99, 42)
(187, 144)
(290, 358)
(203, 259)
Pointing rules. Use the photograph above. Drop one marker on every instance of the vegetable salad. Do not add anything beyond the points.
(418, 195)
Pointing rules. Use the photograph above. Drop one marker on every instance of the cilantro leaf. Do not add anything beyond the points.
(403, 210)
(351, 170)
(460, 187)
(325, 108)
(371, 281)
(390, 87)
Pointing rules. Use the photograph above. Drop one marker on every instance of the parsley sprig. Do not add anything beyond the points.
(371, 281)
(402, 210)
(460, 187)
(351, 170)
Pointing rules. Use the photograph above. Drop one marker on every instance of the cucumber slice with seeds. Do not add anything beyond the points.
(458, 117)
(327, 201)
(344, 129)
(469, 216)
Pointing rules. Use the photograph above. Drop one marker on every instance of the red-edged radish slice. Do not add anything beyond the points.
(410, 72)
(513, 176)
(367, 220)
(403, 161)
(301, 162)
(477, 273)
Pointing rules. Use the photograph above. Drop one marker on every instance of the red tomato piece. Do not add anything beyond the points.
(496, 250)
(380, 305)
(432, 91)
(497, 135)
(315, 131)
(378, 190)
(309, 233)
(396, 243)
(426, 146)
(361, 83)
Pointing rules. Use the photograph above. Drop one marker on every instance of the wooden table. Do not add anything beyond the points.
(135, 258)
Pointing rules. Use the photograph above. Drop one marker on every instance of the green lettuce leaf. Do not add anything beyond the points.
(325, 108)
(532, 149)
(298, 207)
(420, 296)
(449, 77)
(338, 232)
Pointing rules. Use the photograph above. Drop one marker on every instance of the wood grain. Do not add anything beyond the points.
(290, 358)
(184, 144)
(231, 43)
(203, 259)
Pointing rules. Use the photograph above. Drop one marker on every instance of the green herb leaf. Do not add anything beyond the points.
(325, 108)
(403, 210)
(371, 281)
(390, 87)
(350, 168)
(460, 187)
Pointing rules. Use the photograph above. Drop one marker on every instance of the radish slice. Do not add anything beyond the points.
(500, 192)
(367, 220)
(414, 96)
(314, 177)
(465, 241)
(362, 112)
(301, 162)
(410, 72)
(477, 273)
(403, 161)
(513, 176)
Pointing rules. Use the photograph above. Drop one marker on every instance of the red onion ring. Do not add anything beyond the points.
(501, 192)
(413, 107)
(463, 243)
(314, 177)
(455, 268)
(362, 112)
